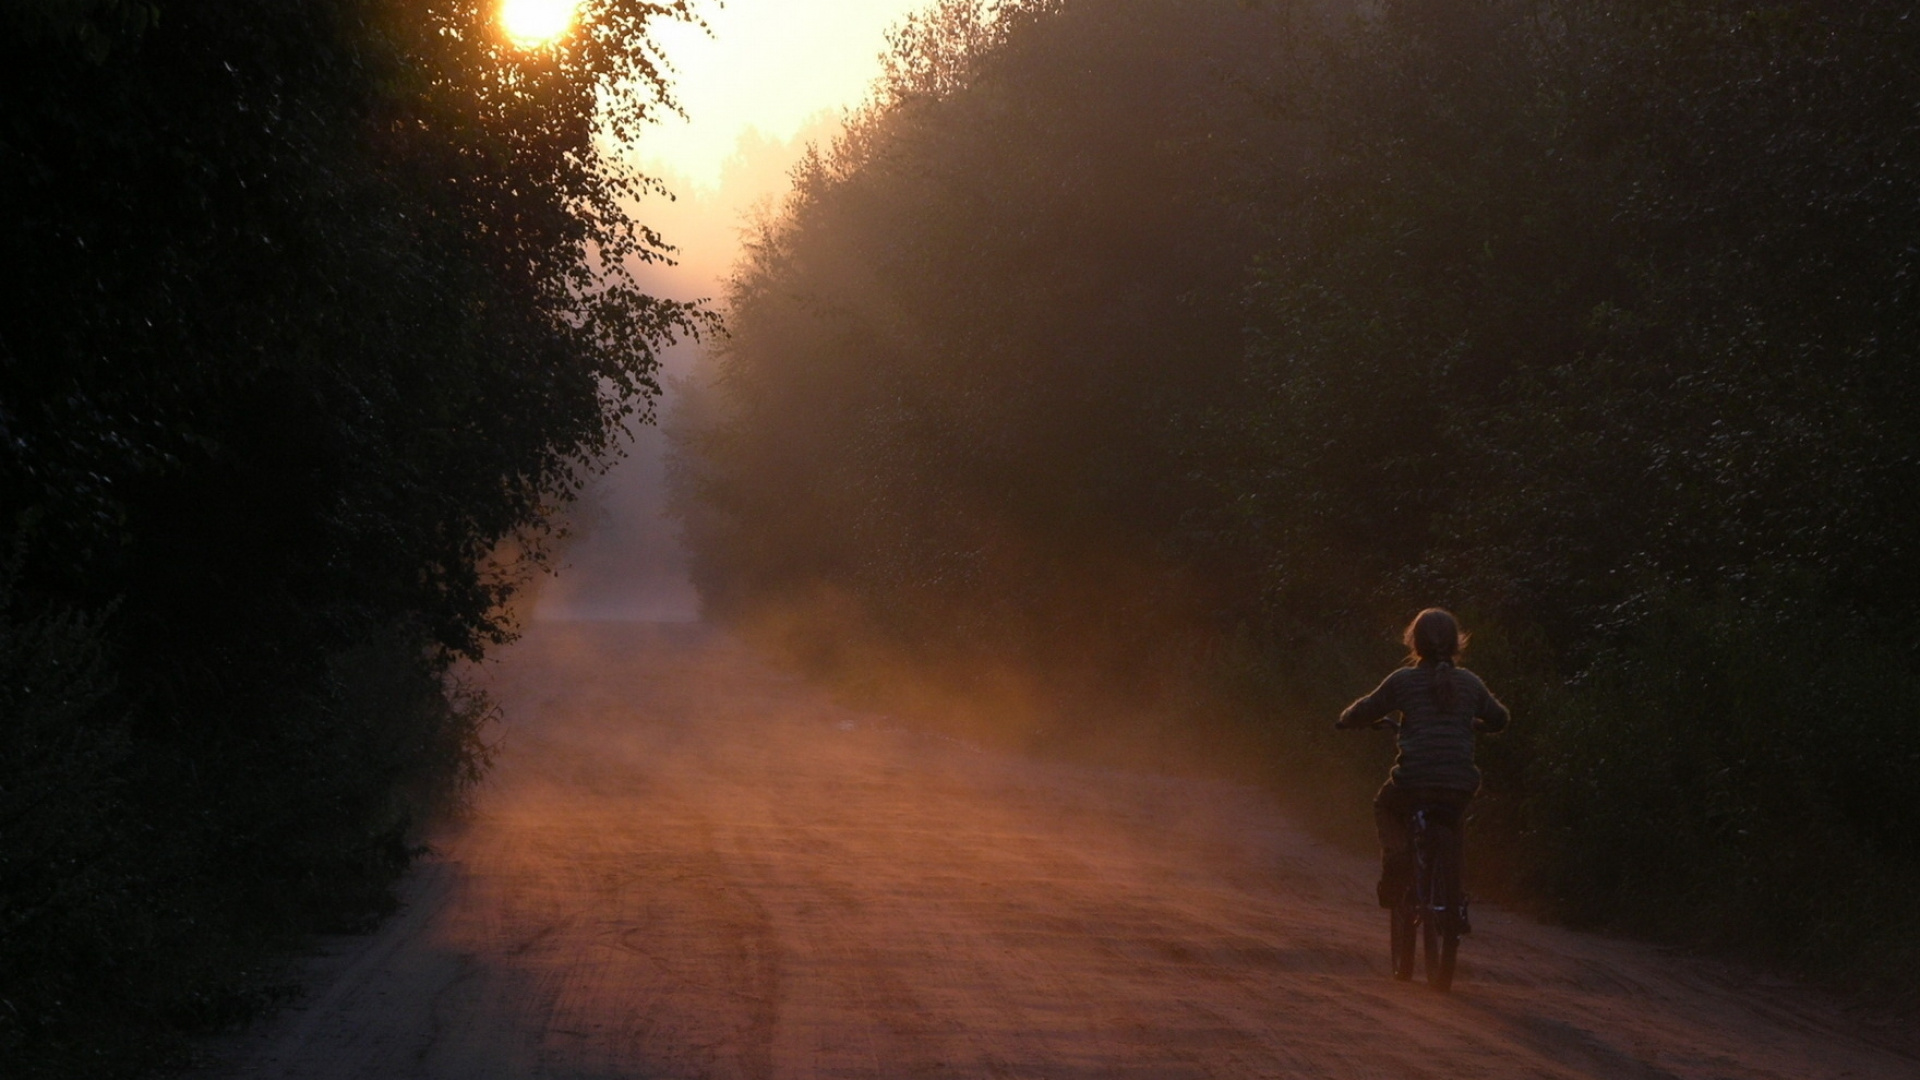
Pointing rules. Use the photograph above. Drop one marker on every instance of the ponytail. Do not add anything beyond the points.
(1443, 694)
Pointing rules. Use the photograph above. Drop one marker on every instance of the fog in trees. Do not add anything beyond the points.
(1128, 372)
(621, 556)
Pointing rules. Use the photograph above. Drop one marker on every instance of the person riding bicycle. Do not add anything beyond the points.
(1442, 706)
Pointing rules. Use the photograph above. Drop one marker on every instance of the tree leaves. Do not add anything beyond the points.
(313, 305)
(1249, 335)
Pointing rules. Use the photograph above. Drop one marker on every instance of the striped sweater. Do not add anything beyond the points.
(1435, 744)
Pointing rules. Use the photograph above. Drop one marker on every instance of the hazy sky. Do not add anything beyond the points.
(771, 76)
(770, 65)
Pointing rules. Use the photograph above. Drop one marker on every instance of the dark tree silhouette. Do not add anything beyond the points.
(312, 305)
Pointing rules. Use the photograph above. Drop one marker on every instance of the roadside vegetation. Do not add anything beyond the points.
(314, 309)
(1130, 371)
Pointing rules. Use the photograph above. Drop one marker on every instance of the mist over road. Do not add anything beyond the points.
(690, 865)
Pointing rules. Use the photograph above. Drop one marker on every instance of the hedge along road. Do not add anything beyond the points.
(690, 865)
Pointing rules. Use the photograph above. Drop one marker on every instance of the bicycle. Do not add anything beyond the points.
(1434, 907)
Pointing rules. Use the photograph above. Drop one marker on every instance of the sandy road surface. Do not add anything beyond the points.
(691, 866)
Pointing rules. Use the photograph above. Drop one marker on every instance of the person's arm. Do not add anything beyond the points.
(1369, 708)
(1489, 716)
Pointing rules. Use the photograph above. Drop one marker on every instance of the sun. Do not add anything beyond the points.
(535, 22)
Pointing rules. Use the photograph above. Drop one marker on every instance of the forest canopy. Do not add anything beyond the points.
(312, 306)
(1143, 365)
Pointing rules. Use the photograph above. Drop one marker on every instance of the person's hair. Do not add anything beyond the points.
(1435, 635)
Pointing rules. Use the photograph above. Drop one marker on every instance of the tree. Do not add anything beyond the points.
(1168, 358)
(314, 305)
(966, 339)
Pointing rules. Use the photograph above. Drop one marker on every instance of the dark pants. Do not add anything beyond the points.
(1391, 808)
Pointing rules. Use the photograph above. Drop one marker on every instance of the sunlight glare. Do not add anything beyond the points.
(535, 22)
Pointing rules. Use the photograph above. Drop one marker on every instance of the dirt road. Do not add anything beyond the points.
(688, 865)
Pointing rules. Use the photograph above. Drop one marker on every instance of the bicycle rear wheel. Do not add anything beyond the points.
(1440, 910)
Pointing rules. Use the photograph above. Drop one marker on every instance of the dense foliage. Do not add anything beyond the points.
(312, 305)
(944, 408)
(1171, 354)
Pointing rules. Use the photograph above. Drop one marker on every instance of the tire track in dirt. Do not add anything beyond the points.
(689, 865)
